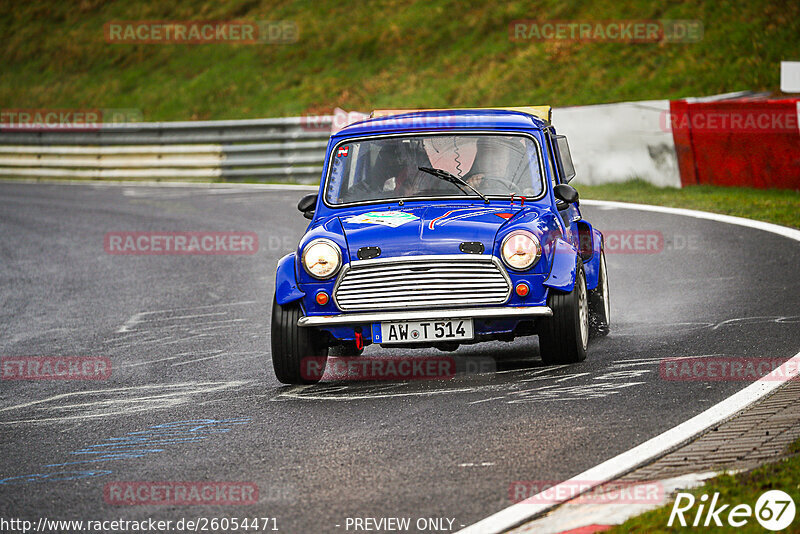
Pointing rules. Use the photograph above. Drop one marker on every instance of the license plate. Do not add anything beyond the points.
(420, 331)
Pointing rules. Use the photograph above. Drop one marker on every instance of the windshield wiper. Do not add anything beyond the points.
(453, 179)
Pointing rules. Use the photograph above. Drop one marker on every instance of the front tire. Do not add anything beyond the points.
(563, 338)
(294, 347)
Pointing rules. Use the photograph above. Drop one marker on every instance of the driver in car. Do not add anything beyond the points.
(475, 179)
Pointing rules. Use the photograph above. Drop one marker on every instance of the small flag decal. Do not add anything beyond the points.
(342, 152)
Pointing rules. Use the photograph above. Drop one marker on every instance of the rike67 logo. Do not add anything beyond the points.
(774, 510)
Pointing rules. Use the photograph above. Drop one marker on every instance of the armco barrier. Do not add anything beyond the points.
(291, 148)
(609, 142)
(752, 142)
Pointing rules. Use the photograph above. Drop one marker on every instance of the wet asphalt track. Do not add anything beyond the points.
(198, 350)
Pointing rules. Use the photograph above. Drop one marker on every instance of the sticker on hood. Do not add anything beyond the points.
(386, 218)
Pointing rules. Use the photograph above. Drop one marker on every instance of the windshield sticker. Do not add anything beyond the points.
(385, 218)
(342, 152)
(471, 212)
(336, 177)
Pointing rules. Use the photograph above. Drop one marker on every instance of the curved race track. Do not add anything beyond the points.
(188, 339)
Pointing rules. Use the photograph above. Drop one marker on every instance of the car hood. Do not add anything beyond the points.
(423, 230)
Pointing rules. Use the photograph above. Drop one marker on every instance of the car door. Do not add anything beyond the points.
(560, 162)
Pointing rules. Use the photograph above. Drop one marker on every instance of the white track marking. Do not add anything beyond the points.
(173, 317)
(216, 355)
(148, 362)
(628, 373)
(216, 325)
(222, 353)
(139, 317)
(558, 393)
(553, 378)
(123, 401)
(331, 395)
(130, 323)
(486, 400)
(207, 324)
(184, 339)
(657, 361)
(758, 319)
(791, 233)
(574, 515)
(534, 371)
(142, 317)
(91, 392)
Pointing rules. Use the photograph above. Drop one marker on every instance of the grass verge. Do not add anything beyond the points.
(432, 53)
(742, 488)
(777, 206)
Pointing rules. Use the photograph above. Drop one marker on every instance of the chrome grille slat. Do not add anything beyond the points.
(422, 270)
(421, 282)
(426, 298)
(423, 304)
(447, 282)
(389, 297)
(376, 291)
(421, 278)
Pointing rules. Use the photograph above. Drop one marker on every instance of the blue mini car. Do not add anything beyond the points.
(437, 228)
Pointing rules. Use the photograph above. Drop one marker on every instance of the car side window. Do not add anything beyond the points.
(551, 166)
(566, 167)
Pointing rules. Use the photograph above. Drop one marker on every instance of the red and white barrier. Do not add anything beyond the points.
(743, 142)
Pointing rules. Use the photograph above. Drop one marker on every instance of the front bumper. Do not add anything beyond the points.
(421, 315)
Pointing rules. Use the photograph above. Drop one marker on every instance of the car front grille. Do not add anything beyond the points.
(422, 282)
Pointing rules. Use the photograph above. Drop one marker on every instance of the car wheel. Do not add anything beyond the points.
(599, 304)
(564, 336)
(291, 345)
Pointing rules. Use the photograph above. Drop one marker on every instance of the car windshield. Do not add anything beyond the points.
(388, 168)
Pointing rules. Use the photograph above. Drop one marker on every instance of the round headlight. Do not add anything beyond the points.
(322, 258)
(520, 250)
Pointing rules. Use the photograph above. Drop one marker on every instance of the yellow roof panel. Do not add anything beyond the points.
(542, 112)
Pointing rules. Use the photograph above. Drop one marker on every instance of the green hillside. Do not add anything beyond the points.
(362, 55)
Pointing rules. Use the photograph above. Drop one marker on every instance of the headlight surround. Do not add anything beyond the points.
(520, 250)
(322, 258)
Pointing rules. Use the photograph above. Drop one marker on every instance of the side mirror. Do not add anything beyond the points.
(566, 194)
(307, 205)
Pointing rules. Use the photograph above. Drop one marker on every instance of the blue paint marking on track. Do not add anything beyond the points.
(133, 445)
